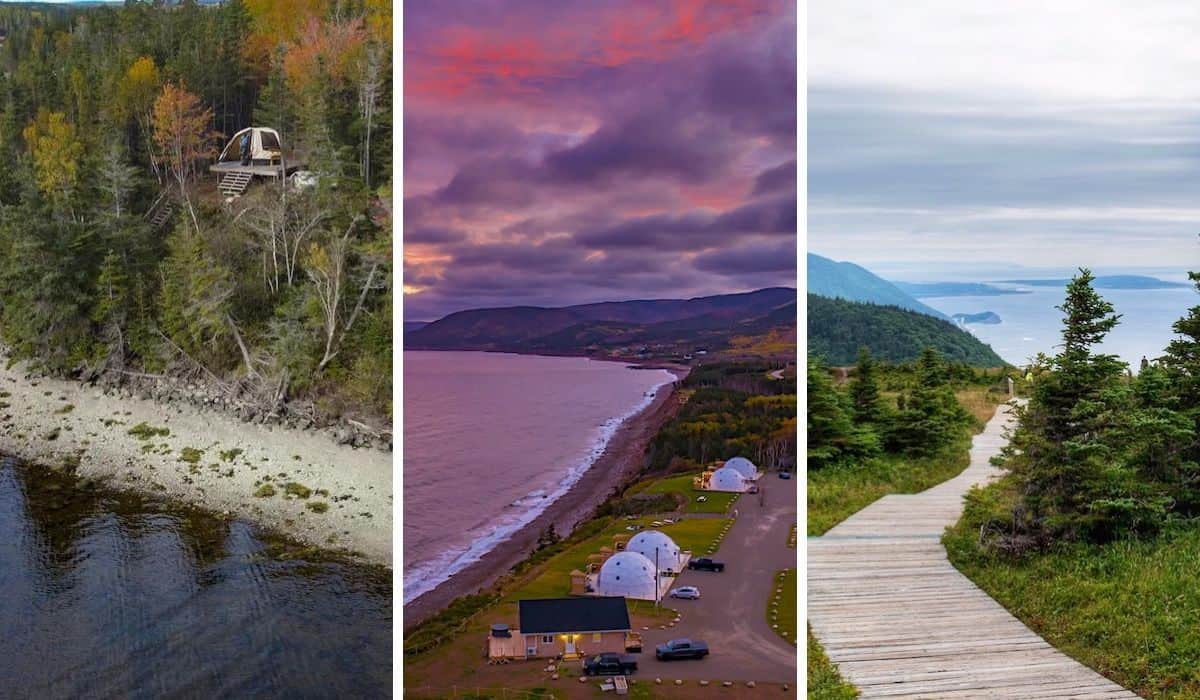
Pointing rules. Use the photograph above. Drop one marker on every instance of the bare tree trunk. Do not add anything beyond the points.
(250, 371)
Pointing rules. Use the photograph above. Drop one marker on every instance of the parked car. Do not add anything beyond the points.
(785, 475)
(706, 564)
(681, 649)
(609, 664)
(686, 592)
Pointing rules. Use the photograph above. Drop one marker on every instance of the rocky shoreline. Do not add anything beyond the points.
(327, 486)
(168, 390)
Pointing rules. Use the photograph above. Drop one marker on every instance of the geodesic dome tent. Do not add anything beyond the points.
(628, 574)
(265, 147)
(727, 479)
(647, 541)
(744, 466)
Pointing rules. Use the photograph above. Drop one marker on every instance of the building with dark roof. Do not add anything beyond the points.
(568, 627)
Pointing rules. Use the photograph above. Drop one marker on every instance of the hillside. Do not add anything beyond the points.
(844, 280)
(838, 328)
(119, 257)
(659, 327)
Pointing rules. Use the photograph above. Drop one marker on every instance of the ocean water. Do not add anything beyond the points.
(107, 594)
(1030, 324)
(491, 440)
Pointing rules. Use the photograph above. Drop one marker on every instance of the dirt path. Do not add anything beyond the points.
(901, 622)
(55, 422)
(731, 615)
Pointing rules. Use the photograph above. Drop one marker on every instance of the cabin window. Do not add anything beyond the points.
(269, 141)
(596, 637)
(547, 639)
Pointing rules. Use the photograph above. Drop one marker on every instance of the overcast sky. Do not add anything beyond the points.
(575, 151)
(1043, 134)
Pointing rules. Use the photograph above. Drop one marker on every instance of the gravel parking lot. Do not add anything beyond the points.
(731, 613)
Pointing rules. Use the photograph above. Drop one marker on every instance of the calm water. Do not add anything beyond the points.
(490, 440)
(108, 595)
(1030, 323)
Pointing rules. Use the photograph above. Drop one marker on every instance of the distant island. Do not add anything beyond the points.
(990, 318)
(954, 289)
(1106, 282)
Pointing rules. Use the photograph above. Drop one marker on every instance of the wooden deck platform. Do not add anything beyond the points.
(256, 170)
(901, 622)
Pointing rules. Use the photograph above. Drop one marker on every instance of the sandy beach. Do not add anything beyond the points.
(620, 461)
(206, 458)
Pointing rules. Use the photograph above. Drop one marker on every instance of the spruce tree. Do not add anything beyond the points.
(864, 390)
(930, 416)
(1062, 452)
(832, 434)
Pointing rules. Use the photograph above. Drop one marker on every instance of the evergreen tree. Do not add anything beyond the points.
(1064, 452)
(868, 406)
(832, 434)
(929, 416)
(112, 305)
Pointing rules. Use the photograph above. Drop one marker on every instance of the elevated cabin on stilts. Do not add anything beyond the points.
(261, 155)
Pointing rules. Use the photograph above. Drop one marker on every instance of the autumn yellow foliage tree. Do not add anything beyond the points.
(183, 137)
(136, 93)
(55, 148)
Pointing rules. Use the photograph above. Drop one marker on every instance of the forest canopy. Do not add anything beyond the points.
(119, 256)
(838, 328)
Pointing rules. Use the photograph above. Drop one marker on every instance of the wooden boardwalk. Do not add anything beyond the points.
(901, 622)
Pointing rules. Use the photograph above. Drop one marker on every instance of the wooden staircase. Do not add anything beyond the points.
(162, 214)
(234, 184)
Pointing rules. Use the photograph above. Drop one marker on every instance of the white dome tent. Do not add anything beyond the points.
(265, 148)
(647, 541)
(744, 467)
(727, 479)
(628, 574)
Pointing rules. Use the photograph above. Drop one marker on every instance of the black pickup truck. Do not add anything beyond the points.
(609, 664)
(706, 564)
(681, 649)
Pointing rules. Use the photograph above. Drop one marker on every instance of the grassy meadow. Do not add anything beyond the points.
(835, 493)
(681, 486)
(1129, 609)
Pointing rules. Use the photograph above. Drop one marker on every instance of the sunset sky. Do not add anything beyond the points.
(576, 151)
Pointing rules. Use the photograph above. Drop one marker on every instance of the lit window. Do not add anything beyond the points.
(596, 637)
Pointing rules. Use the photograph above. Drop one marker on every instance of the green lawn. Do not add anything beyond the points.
(781, 610)
(1129, 609)
(554, 578)
(716, 501)
(824, 681)
(836, 493)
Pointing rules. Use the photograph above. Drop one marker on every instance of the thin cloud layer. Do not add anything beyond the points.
(570, 152)
(1019, 133)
